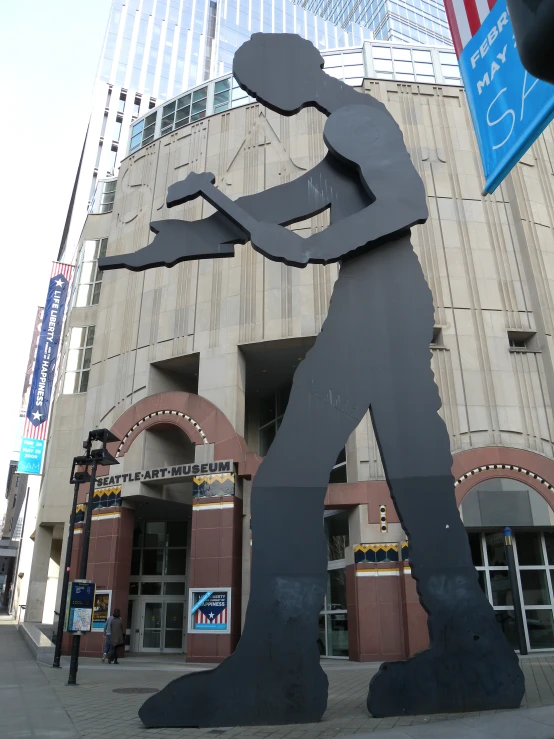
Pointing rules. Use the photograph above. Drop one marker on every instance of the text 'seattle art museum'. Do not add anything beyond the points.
(328, 361)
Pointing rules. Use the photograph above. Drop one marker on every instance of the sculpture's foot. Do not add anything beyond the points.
(241, 692)
(468, 667)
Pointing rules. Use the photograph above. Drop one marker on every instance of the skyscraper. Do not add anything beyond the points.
(153, 50)
(422, 21)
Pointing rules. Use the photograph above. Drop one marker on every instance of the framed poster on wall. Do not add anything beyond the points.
(102, 609)
(209, 611)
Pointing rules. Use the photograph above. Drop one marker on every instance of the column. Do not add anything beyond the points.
(216, 562)
(38, 578)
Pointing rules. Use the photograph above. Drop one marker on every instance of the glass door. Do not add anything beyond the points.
(173, 631)
(152, 627)
(333, 619)
(162, 626)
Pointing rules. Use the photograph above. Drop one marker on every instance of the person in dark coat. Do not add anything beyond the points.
(117, 636)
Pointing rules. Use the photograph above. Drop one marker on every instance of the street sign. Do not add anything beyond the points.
(509, 108)
(80, 604)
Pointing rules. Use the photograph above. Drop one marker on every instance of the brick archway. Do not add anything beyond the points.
(197, 417)
(477, 465)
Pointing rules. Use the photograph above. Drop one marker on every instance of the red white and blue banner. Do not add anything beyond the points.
(210, 610)
(509, 107)
(42, 385)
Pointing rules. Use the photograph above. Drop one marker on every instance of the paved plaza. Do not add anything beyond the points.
(36, 702)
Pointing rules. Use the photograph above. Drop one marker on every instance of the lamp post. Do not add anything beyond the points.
(77, 478)
(97, 456)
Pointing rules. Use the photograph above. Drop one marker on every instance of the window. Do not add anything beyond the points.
(336, 533)
(517, 343)
(121, 104)
(272, 410)
(159, 557)
(107, 197)
(90, 277)
(78, 360)
(149, 129)
(136, 136)
(521, 340)
(437, 337)
(534, 557)
(338, 473)
(136, 107)
(222, 95)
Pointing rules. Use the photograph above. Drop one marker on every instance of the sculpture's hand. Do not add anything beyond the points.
(279, 244)
(190, 188)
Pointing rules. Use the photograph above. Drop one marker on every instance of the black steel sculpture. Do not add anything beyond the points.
(372, 353)
(533, 24)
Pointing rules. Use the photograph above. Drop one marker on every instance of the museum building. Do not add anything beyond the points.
(191, 368)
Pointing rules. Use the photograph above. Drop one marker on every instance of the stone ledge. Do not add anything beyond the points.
(40, 645)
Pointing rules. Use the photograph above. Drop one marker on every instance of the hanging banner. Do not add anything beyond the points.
(42, 384)
(509, 108)
(210, 610)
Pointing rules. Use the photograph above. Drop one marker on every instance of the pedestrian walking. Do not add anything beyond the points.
(107, 634)
(117, 636)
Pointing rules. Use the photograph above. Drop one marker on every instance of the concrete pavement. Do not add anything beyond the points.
(36, 702)
(29, 706)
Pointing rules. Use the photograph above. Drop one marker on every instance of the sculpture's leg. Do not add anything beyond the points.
(274, 676)
(469, 665)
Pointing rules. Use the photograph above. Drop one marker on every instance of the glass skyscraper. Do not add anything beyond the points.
(420, 21)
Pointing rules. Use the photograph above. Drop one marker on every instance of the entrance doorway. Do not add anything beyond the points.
(157, 589)
(162, 627)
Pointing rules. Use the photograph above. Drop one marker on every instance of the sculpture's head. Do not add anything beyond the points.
(281, 70)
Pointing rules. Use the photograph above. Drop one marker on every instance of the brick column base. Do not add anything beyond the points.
(216, 562)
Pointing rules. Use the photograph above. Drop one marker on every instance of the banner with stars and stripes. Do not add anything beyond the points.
(209, 610)
(42, 385)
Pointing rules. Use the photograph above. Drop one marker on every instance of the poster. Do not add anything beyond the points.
(210, 610)
(101, 609)
(80, 601)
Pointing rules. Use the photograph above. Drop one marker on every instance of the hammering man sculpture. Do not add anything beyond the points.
(372, 353)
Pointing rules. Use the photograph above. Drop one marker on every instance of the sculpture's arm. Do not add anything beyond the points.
(393, 212)
(178, 240)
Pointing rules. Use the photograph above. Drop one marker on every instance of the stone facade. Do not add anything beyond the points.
(212, 336)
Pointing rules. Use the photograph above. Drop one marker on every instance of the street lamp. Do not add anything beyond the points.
(97, 454)
(78, 477)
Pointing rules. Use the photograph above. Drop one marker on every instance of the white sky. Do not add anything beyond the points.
(49, 52)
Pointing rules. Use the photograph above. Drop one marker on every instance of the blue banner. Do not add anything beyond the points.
(47, 351)
(30, 456)
(509, 107)
(40, 394)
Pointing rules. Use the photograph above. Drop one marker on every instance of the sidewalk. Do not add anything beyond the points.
(106, 700)
(29, 706)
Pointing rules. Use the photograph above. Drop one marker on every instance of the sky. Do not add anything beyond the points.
(49, 52)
